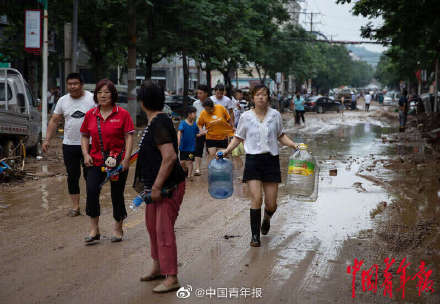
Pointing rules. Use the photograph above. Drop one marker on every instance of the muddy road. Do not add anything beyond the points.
(372, 208)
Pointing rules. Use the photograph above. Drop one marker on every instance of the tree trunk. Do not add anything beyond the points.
(259, 73)
(228, 82)
(149, 67)
(208, 77)
(99, 66)
(185, 78)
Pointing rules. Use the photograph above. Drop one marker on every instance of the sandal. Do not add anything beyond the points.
(73, 212)
(117, 239)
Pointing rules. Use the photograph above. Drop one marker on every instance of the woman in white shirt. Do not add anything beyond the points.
(261, 128)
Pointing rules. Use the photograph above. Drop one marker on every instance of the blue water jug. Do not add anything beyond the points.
(220, 182)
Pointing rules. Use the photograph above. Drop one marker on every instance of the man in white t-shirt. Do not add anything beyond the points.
(202, 95)
(367, 102)
(221, 99)
(73, 107)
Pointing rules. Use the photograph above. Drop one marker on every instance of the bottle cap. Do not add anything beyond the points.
(220, 154)
(302, 146)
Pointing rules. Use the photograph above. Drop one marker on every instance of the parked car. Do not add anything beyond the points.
(141, 117)
(20, 120)
(391, 98)
(322, 104)
(176, 103)
(428, 102)
(416, 105)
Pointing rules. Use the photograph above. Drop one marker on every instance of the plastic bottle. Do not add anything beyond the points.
(144, 196)
(303, 175)
(220, 181)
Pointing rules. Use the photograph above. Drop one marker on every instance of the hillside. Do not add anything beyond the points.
(371, 57)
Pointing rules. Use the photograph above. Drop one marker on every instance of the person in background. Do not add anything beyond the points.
(353, 101)
(403, 110)
(299, 108)
(158, 170)
(186, 139)
(241, 106)
(367, 99)
(261, 129)
(50, 99)
(215, 118)
(202, 95)
(73, 108)
(225, 101)
(111, 129)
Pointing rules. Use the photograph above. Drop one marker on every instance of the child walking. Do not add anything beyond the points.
(187, 133)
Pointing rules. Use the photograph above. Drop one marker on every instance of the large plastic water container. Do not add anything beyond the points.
(220, 179)
(302, 175)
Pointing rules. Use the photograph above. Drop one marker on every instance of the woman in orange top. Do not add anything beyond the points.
(216, 120)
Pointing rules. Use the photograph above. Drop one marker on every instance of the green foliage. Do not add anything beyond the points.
(410, 27)
(104, 33)
(219, 34)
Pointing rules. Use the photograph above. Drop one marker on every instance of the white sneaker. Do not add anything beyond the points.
(197, 173)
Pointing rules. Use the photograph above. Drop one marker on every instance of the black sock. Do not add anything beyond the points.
(255, 221)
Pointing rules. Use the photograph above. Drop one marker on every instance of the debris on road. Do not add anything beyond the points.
(227, 237)
(333, 172)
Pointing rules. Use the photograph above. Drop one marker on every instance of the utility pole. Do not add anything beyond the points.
(311, 18)
(131, 90)
(45, 72)
(436, 107)
(75, 36)
(67, 49)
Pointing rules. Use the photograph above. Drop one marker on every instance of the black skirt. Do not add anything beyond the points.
(263, 167)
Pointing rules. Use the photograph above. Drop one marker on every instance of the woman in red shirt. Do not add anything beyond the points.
(111, 129)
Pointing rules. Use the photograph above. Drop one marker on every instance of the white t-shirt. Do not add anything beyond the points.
(260, 137)
(368, 99)
(74, 111)
(50, 98)
(225, 101)
(199, 107)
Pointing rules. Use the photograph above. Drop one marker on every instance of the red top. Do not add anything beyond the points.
(113, 131)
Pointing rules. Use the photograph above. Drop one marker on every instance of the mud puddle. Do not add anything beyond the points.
(303, 259)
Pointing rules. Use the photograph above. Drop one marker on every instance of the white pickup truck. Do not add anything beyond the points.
(20, 120)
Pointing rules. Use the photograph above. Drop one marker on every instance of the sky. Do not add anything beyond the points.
(336, 21)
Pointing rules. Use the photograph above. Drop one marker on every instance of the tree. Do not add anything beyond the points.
(410, 27)
(155, 32)
(361, 74)
(107, 42)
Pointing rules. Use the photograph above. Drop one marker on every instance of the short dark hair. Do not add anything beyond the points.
(208, 103)
(204, 88)
(152, 96)
(110, 86)
(75, 76)
(189, 110)
(220, 87)
(238, 91)
(259, 87)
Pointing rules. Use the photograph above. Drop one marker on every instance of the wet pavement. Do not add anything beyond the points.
(366, 194)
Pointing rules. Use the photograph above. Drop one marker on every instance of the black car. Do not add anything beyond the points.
(321, 104)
